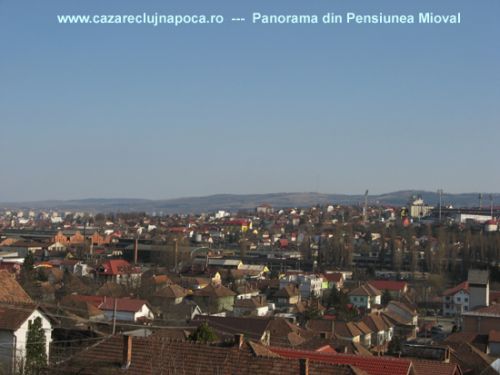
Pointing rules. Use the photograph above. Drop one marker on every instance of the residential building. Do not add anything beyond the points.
(365, 296)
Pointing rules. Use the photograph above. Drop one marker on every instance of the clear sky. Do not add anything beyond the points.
(162, 112)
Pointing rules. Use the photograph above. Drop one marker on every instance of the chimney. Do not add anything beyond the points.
(127, 351)
(239, 339)
(304, 366)
(136, 249)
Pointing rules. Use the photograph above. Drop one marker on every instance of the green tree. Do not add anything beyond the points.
(203, 334)
(36, 354)
(395, 346)
(386, 297)
(27, 271)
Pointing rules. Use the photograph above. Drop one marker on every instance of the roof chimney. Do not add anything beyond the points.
(127, 351)
(304, 366)
(239, 339)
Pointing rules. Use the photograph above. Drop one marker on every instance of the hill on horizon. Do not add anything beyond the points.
(234, 202)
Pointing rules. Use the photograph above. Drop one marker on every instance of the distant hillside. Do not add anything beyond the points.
(233, 202)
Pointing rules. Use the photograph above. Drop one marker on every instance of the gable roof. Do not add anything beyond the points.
(117, 267)
(123, 304)
(370, 364)
(288, 291)
(12, 317)
(156, 354)
(214, 291)
(346, 329)
(365, 290)
(464, 286)
(172, 291)
(10, 290)
(390, 285)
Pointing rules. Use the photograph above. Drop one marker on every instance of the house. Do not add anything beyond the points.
(15, 321)
(494, 342)
(287, 296)
(256, 306)
(479, 288)
(126, 309)
(171, 294)
(403, 318)
(119, 271)
(324, 328)
(310, 286)
(365, 296)
(456, 300)
(348, 331)
(334, 280)
(214, 298)
(395, 288)
(266, 330)
(382, 330)
(158, 353)
(482, 320)
(10, 290)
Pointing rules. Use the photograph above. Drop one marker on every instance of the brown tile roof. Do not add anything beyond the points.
(469, 357)
(172, 291)
(214, 291)
(375, 322)
(494, 336)
(346, 329)
(365, 290)
(12, 317)
(249, 303)
(391, 285)
(281, 331)
(10, 290)
(489, 311)
(423, 367)
(156, 354)
(288, 291)
(321, 325)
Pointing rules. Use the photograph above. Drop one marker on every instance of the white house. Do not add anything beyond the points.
(14, 323)
(365, 296)
(127, 309)
(456, 300)
(309, 285)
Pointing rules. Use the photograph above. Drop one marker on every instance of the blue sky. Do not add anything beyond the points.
(139, 111)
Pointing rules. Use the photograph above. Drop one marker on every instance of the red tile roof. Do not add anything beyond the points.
(391, 285)
(371, 365)
(155, 355)
(334, 277)
(462, 286)
(117, 267)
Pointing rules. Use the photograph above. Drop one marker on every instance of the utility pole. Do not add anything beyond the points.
(480, 200)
